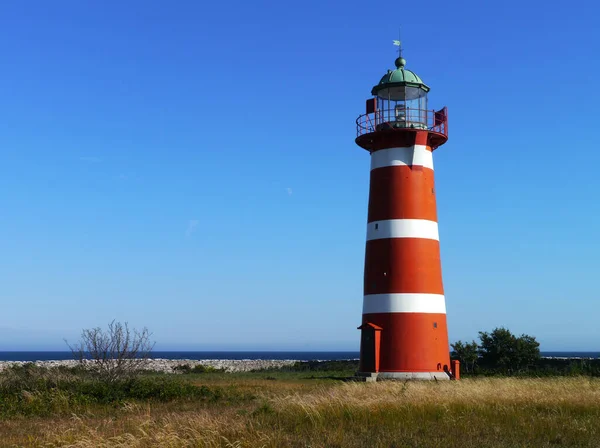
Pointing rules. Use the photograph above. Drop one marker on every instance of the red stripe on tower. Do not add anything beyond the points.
(403, 332)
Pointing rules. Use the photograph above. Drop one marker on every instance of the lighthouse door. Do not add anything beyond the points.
(369, 347)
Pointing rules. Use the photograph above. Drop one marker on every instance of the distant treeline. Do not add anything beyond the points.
(502, 353)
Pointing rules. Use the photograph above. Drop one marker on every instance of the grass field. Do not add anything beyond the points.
(304, 409)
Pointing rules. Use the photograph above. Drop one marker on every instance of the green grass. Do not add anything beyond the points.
(311, 408)
(34, 391)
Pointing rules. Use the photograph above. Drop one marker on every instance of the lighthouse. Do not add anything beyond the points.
(403, 332)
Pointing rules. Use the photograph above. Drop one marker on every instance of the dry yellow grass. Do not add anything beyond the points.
(473, 392)
(498, 412)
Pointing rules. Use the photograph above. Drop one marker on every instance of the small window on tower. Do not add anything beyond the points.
(376, 226)
(435, 325)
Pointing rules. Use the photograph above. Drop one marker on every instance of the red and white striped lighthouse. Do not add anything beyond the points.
(403, 331)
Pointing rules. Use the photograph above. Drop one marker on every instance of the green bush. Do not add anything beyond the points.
(501, 353)
(506, 352)
(466, 353)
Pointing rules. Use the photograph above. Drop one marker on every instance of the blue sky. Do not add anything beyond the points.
(191, 167)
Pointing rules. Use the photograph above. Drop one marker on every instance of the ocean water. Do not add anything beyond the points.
(300, 356)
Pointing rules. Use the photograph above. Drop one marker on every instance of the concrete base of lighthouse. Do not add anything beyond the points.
(413, 376)
(424, 376)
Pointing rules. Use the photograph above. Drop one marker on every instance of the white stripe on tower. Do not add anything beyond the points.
(404, 303)
(416, 155)
(402, 228)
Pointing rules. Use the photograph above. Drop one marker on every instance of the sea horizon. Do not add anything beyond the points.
(312, 355)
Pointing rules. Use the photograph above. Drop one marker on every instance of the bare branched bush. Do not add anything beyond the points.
(116, 353)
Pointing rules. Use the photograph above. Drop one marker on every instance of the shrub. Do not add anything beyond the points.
(116, 353)
(466, 353)
(502, 350)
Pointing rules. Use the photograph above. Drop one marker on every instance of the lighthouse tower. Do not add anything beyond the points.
(403, 331)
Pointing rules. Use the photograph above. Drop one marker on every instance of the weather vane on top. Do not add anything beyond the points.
(398, 43)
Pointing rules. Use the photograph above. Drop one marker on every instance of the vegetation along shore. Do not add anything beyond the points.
(296, 408)
(112, 397)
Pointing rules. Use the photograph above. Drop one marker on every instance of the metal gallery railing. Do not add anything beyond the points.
(403, 118)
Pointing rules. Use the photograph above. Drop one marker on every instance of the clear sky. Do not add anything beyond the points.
(190, 166)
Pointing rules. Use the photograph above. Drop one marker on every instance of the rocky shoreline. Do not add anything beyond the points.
(170, 365)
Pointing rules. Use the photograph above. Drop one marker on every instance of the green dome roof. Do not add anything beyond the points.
(400, 77)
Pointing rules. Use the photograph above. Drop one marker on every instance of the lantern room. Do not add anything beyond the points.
(402, 97)
(400, 103)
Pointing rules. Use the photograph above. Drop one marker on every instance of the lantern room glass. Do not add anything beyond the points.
(403, 107)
